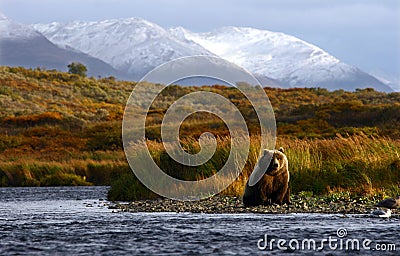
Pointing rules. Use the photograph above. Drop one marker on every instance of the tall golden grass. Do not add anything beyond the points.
(359, 164)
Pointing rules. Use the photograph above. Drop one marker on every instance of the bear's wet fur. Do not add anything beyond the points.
(273, 187)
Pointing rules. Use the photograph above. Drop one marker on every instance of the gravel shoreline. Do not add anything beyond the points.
(230, 204)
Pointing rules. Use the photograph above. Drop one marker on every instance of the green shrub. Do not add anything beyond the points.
(128, 188)
(104, 136)
(64, 179)
(77, 68)
(104, 174)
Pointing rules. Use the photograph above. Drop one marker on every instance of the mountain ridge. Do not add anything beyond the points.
(134, 46)
(142, 45)
(276, 56)
(272, 54)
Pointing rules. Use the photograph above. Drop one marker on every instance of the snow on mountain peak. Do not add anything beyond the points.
(135, 46)
(13, 30)
(132, 45)
(3, 17)
(273, 54)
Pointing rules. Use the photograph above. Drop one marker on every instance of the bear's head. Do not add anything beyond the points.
(270, 163)
(276, 158)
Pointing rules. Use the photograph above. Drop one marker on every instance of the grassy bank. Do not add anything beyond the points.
(70, 173)
(62, 129)
(358, 165)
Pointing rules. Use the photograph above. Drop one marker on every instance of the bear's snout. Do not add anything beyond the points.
(275, 164)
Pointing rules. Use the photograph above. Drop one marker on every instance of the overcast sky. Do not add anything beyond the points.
(364, 33)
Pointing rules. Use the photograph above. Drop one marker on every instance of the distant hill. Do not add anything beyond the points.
(27, 93)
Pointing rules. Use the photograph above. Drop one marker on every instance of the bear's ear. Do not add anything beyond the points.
(281, 150)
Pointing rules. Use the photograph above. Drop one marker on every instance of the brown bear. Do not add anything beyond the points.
(269, 182)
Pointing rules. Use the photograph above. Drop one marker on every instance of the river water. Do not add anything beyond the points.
(76, 220)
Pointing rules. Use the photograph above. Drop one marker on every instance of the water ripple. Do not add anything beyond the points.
(69, 221)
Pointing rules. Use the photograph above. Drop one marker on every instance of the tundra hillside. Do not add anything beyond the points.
(65, 129)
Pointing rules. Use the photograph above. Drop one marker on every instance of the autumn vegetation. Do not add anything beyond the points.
(65, 129)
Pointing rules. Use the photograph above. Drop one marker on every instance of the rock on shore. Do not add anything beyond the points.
(229, 204)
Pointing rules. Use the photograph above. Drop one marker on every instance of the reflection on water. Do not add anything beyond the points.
(74, 220)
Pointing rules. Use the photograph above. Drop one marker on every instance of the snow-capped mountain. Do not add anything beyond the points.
(133, 45)
(285, 58)
(13, 30)
(393, 81)
(20, 45)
